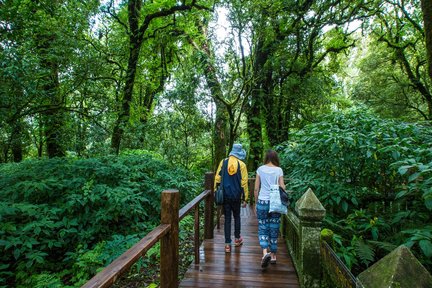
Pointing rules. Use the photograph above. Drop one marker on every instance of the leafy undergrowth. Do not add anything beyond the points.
(374, 178)
(63, 219)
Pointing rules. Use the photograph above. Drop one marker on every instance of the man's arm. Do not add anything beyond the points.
(217, 176)
(244, 180)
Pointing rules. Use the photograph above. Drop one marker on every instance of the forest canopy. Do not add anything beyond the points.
(189, 78)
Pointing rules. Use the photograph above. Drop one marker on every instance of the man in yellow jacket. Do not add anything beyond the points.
(235, 183)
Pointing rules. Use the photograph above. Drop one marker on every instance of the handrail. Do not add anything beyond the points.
(167, 233)
(194, 204)
(191, 205)
(109, 275)
(337, 271)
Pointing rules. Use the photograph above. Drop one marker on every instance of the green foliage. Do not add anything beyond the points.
(145, 273)
(391, 75)
(44, 280)
(60, 210)
(374, 178)
(364, 252)
(422, 237)
(87, 263)
(354, 155)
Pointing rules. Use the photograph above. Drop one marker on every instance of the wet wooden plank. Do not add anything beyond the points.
(241, 267)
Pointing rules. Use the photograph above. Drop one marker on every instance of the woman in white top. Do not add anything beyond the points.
(268, 223)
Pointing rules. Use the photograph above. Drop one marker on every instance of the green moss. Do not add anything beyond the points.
(327, 235)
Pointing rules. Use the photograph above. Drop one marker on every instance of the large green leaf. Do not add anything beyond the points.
(426, 247)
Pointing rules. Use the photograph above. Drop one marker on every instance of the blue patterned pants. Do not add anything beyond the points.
(268, 226)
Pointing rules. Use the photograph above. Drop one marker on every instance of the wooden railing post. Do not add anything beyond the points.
(196, 234)
(169, 245)
(209, 206)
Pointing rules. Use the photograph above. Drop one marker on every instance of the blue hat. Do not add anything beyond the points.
(238, 151)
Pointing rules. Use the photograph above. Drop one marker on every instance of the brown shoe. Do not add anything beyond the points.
(238, 242)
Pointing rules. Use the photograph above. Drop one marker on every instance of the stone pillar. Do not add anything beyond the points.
(400, 268)
(310, 212)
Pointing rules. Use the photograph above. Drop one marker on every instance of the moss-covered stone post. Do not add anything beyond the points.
(310, 212)
(400, 268)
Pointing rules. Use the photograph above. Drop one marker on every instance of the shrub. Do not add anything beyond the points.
(52, 208)
(373, 176)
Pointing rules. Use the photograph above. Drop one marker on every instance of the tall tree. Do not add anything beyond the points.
(399, 28)
(291, 42)
(381, 84)
(137, 28)
(40, 39)
(426, 6)
(227, 82)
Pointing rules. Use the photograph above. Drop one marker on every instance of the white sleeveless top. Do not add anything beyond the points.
(268, 176)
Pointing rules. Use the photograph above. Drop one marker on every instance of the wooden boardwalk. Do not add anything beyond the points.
(241, 267)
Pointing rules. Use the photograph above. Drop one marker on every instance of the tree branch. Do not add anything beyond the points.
(115, 16)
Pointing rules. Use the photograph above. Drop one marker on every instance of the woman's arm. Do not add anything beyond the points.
(281, 182)
(256, 187)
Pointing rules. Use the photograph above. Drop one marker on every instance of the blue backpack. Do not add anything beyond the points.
(231, 183)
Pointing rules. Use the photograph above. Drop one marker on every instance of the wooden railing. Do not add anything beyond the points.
(168, 235)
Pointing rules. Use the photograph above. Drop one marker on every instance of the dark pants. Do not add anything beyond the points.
(231, 207)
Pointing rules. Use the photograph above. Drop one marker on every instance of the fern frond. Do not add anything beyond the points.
(365, 252)
(383, 245)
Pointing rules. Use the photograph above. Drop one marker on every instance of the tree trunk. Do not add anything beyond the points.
(221, 119)
(136, 37)
(219, 135)
(81, 135)
(415, 81)
(426, 6)
(285, 120)
(220, 129)
(254, 111)
(53, 116)
(254, 130)
(123, 115)
(5, 152)
(271, 109)
(135, 42)
(16, 141)
(39, 139)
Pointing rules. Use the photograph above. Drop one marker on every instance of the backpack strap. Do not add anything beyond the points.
(222, 171)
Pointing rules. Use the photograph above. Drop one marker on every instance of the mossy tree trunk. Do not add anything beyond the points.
(136, 32)
(221, 115)
(254, 110)
(16, 141)
(53, 115)
(426, 6)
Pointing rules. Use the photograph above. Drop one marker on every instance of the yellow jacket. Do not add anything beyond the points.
(232, 169)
